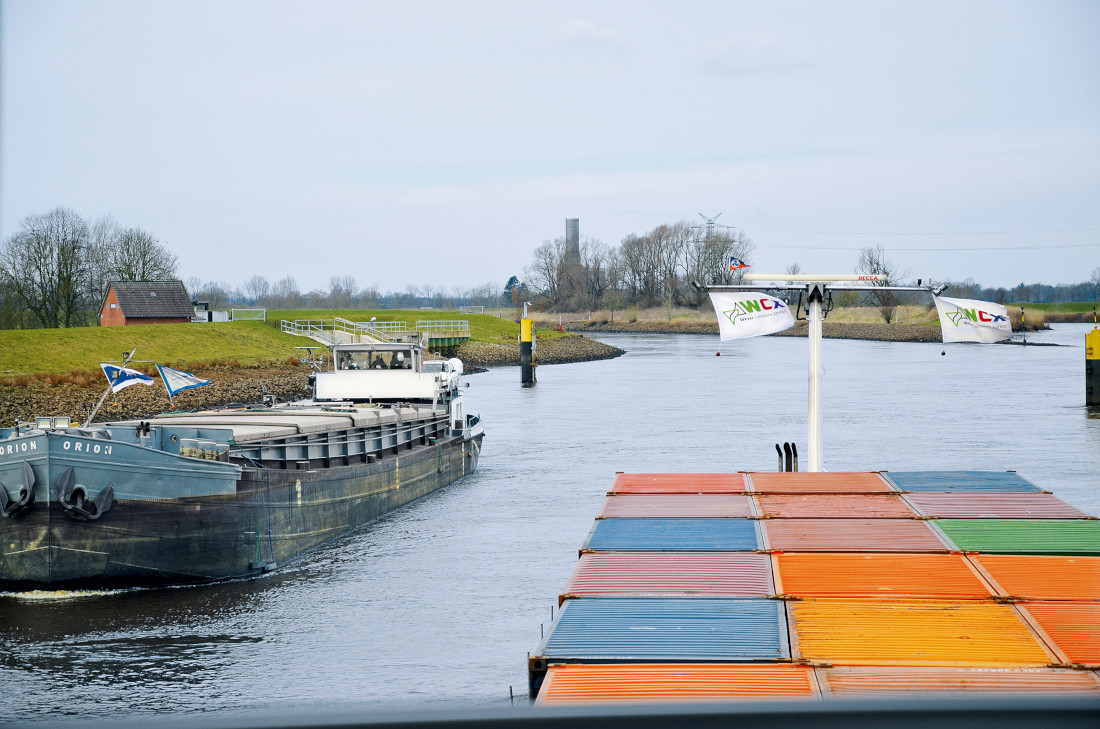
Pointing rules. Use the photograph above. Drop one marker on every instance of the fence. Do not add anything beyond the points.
(248, 315)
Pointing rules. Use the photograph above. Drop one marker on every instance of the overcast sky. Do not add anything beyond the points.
(440, 142)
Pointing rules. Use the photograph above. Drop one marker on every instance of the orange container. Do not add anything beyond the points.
(1042, 577)
(913, 633)
(851, 535)
(676, 505)
(874, 680)
(670, 574)
(678, 483)
(575, 684)
(819, 483)
(836, 506)
(878, 575)
(1073, 627)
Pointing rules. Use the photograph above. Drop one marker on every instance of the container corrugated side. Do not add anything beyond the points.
(1074, 627)
(844, 681)
(719, 506)
(658, 535)
(1023, 536)
(913, 633)
(986, 505)
(878, 575)
(851, 535)
(678, 483)
(834, 506)
(628, 629)
(1042, 577)
(949, 481)
(637, 683)
(809, 482)
(670, 574)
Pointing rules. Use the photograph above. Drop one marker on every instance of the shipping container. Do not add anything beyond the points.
(950, 481)
(818, 483)
(851, 535)
(985, 505)
(671, 574)
(1020, 536)
(658, 535)
(636, 683)
(1042, 577)
(850, 681)
(878, 575)
(1073, 627)
(678, 483)
(677, 505)
(836, 506)
(913, 633)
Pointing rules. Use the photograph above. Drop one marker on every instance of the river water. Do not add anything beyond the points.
(437, 604)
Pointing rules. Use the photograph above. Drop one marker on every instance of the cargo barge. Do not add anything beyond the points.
(215, 495)
(817, 586)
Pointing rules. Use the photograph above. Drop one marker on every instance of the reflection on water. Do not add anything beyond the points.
(439, 602)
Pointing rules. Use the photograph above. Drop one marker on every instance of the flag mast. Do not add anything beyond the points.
(126, 357)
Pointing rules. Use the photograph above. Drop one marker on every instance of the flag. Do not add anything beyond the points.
(177, 380)
(736, 263)
(749, 314)
(968, 320)
(121, 377)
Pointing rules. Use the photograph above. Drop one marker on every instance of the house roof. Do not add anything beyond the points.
(152, 299)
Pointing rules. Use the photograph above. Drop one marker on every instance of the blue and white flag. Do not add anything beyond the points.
(750, 314)
(122, 377)
(178, 380)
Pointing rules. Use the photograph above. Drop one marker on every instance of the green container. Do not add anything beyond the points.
(1023, 536)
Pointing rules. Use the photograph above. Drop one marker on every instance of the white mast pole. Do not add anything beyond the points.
(814, 397)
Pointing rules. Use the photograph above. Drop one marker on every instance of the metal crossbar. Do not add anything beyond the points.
(440, 325)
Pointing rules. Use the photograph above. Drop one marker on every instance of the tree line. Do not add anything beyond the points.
(55, 268)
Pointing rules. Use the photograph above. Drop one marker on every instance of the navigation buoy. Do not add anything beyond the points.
(943, 352)
(717, 354)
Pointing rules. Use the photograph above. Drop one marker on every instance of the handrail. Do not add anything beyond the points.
(443, 325)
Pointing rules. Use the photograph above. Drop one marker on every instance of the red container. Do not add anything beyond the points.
(679, 574)
(1072, 627)
(819, 483)
(986, 505)
(836, 506)
(877, 680)
(678, 483)
(878, 575)
(851, 535)
(1042, 577)
(676, 505)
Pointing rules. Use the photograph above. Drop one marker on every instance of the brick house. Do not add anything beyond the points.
(145, 302)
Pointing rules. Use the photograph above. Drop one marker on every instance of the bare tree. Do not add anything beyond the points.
(45, 266)
(873, 260)
(257, 289)
(136, 255)
(545, 272)
(286, 292)
(342, 291)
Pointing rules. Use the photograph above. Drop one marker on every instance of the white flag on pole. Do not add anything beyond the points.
(750, 314)
(178, 380)
(122, 377)
(969, 320)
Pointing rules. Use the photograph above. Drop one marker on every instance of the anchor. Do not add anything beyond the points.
(74, 499)
(25, 501)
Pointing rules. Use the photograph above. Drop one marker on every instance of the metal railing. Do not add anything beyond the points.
(461, 327)
(248, 314)
(341, 331)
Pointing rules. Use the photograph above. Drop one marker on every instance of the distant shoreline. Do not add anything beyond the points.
(868, 332)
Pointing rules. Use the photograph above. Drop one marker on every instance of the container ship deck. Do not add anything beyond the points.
(818, 586)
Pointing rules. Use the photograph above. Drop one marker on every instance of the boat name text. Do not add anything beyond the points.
(80, 447)
(8, 449)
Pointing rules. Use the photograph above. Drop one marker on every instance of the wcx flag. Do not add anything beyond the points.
(969, 320)
(122, 377)
(744, 314)
(177, 380)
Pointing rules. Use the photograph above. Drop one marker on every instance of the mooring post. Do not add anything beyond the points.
(526, 350)
(1092, 366)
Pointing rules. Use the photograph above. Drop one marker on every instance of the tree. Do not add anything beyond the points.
(545, 272)
(135, 255)
(257, 289)
(873, 261)
(286, 292)
(46, 267)
(342, 291)
(506, 295)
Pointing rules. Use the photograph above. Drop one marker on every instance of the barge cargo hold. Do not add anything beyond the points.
(877, 590)
(199, 497)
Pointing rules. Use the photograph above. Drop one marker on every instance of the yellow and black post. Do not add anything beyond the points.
(526, 352)
(1092, 365)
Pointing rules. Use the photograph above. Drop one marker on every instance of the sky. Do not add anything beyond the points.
(439, 143)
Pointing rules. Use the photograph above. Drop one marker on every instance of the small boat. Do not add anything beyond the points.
(221, 494)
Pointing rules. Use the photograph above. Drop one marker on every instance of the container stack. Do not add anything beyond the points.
(766, 586)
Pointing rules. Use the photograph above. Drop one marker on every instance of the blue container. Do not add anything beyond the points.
(957, 481)
(658, 535)
(628, 629)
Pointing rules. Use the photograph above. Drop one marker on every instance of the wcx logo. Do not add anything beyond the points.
(752, 306)
(975, 315)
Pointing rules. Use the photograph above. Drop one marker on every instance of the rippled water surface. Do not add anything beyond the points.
(439, 602)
